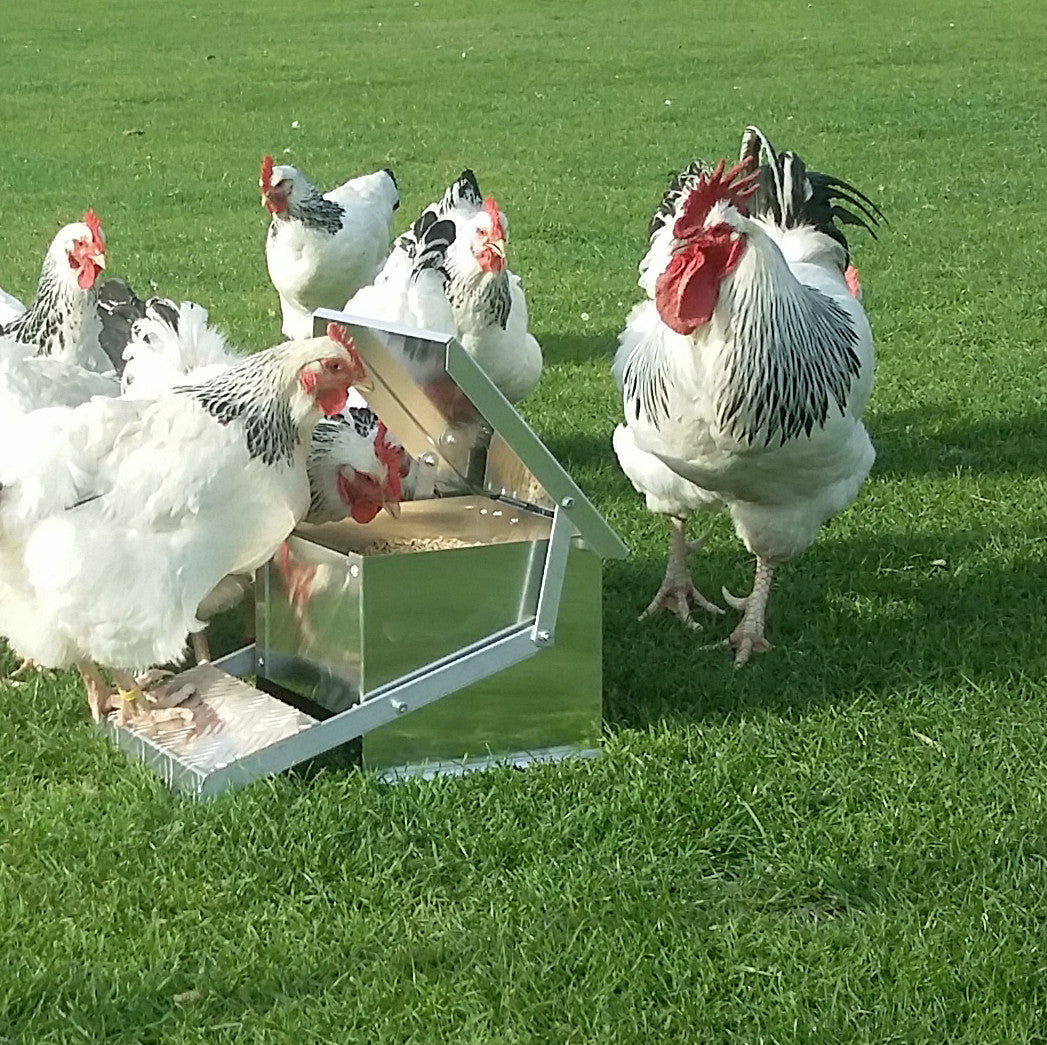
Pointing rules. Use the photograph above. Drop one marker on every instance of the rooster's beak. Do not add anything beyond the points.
(98, 259)
(392, 507)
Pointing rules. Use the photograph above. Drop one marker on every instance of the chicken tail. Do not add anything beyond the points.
(792, 196)
(119, 307)
(168, 343)
(463, 192)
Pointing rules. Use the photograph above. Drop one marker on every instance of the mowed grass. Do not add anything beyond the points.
(846, 841)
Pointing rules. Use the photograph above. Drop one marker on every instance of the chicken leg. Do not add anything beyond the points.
(201, 647)
(678, 593)
(748, 637)
(99, 693)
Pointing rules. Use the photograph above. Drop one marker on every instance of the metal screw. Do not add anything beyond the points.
(398, 706)
(429, 460)
(543, 638)
(261, 662)
(567, 502)
(354, 570)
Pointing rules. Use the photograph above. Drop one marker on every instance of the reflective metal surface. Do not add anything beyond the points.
(231, 720)
(349, 608)
(552, 700)
(439, 403)
(464, 634)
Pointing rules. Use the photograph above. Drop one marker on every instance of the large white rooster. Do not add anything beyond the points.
(322, 247)
(448, 274)
(120, 516)
(745, 373)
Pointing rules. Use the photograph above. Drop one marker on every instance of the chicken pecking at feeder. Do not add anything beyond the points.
(465, 633)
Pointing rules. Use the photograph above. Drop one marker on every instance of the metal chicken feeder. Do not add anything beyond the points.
(464, 634)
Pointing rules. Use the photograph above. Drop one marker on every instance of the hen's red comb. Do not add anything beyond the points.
(491, 207)
(266, 178)
(735, 186)
(91, 221)
(338, 335)
(389, 455)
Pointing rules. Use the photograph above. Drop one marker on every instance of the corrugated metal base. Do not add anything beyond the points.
(231, 720)
(516, 760)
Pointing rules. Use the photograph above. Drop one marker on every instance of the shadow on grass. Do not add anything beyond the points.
(850, 621)
(579, 348)
(940, 440)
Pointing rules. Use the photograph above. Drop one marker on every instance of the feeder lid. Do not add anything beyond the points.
(466, 435)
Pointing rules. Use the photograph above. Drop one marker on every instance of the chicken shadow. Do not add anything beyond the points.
(579, 348)
(940, 440)
(872, 619)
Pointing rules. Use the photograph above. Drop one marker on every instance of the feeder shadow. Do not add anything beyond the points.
(851, 620)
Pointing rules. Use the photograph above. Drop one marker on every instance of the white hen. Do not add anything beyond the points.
(448, 274)
(61, 320)
(747, 373)
(118, 517)
(321, 248)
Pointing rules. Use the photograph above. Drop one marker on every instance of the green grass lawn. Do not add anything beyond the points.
(846, 841)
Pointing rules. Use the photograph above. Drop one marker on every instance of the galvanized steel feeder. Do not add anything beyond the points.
(464, 634)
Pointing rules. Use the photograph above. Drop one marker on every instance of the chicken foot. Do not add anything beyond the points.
(142, 705)
(678, 593)
(748, 637)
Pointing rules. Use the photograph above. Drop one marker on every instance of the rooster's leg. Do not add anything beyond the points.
(99, 694)
(678, 593)
(748, 638)
(201, 647)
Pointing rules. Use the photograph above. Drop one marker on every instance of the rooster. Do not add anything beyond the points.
(321, 249)
(118, 517)
(745, 373)
(448, 274)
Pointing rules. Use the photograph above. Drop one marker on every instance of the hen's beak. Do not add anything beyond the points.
(392, 507)
(98, 259)
(497, 246)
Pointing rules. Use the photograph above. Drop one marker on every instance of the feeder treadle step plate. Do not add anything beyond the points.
(231, 720)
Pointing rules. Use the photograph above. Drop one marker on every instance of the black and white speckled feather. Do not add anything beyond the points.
(60, 322)
(794, 358)
(252, 393)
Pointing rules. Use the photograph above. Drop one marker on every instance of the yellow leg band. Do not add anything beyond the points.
(129, 694)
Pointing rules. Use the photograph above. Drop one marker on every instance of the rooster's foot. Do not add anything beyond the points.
(748, 637)
(746, 640)
(680, 597)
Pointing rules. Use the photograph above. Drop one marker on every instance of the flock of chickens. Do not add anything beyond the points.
(146, 470)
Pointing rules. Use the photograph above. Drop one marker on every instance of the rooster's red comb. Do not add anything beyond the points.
(735, 186)
(491, 207)
(91, 221)
(266, 178)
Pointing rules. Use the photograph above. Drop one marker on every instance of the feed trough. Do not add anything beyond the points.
(465, 633)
